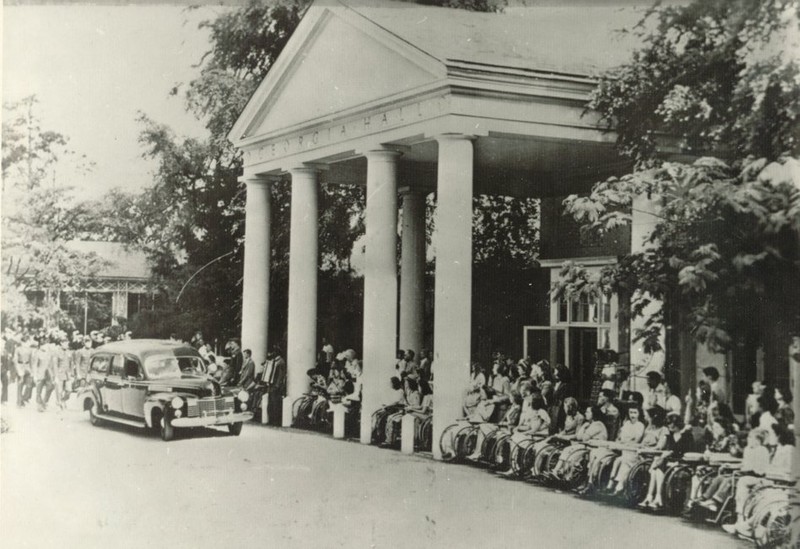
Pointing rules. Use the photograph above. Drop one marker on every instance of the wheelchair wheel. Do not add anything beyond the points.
(490, 444)
(465, 441)
(522, 456)
(541, 460)
(449, 434)
(301, 408)
(637, 482)
(320, 419)
(425, 434)
(603, 473)
(502, 452)
(677, 487)
(576, 475)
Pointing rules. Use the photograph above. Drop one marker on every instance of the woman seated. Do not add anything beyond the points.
(631, 432)
(472, 395)
(755, 461)
(509, 421)
(413, 399)
(572, 420)
(678, 442)
(780, 467)
(482, 412)
(654, 437)
(424, 411)
(593, 428)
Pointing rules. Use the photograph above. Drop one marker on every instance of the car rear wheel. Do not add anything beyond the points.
(167, 430)
(235, 428)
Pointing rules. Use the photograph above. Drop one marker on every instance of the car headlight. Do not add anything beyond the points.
(177, 403)
(243, 395)
(243, 407)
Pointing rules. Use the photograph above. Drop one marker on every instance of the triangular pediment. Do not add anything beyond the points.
(335, 62)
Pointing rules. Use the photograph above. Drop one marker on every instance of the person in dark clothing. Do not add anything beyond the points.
(248, 372)
(237, 361)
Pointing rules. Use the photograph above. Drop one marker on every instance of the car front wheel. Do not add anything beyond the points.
(235, 428)
(167, 430)
(93, 419)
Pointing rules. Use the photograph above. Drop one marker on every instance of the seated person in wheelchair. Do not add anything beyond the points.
(631, 432)
(654, 436)
(413, 399)
(780, 467)
(533, 420)
(425, 407)
(678, 442)
(509, 420)
(482, 413)
(753, 466)
(593, 428)
(571, 420)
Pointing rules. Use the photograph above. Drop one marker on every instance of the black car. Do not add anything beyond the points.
(160, 385)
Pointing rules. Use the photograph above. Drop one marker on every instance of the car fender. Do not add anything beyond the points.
(90, 395)
(160, 401)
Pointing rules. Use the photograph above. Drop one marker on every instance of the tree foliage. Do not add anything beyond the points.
(40, 217)
(719, 76)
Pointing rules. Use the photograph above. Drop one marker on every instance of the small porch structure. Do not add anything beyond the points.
(409, 100)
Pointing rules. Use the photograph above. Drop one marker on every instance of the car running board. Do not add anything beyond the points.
(131, 422)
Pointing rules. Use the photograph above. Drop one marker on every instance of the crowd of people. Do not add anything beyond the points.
(647, 449)
(43, 362)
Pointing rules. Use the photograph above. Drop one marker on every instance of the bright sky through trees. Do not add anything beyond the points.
(93, 68)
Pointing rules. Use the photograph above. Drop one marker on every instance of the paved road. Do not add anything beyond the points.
(67, 484)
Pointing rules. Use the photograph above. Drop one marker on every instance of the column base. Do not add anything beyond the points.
(407, 434)
(287, 411)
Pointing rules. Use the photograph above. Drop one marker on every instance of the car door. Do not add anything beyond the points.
(134, 389)
(111, 390)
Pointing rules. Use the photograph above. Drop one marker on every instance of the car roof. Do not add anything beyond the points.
(144, 348)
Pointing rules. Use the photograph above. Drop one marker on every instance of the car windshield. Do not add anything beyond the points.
(162, 367)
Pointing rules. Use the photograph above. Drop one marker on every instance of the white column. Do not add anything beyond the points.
(453, 301)
(255, 282)
(303, 266)
(380, 283)
(412, 271)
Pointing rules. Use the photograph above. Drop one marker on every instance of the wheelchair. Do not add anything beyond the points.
(546, 459)
(379, 419)
(522, 455)
(464, 438)
(574, 474)
(677, 486)
(637, 481)
(768, 509)
(301, 410)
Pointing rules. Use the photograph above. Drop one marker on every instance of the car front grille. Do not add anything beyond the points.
(211, 407)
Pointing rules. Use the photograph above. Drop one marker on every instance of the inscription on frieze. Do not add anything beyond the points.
(349, 129)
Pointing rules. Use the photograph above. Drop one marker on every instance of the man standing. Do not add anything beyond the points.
(426, 365)
(237, 360)
(62, 372)
(82, 358)
(655, 391)
(718, 392)
(22, 365)
(42, 374)
(274, 380)
(247, 375)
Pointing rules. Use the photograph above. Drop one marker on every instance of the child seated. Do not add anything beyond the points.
(509, 421)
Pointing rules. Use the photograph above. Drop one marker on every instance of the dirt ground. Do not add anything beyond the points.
(65, 484)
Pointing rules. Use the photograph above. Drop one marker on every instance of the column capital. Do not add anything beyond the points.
(306, 169)
(455, 137)
(414, 190)
(385, 155)
(256, 179)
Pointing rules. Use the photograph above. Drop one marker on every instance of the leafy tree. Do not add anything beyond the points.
(716, 80)
(39, 217)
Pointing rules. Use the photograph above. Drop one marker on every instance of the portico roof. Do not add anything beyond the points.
(353, 77)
